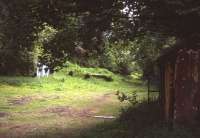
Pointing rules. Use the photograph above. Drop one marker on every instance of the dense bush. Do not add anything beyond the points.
(118, 57)
(141, 54)
(14, 62)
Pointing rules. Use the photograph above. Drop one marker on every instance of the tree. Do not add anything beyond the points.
(178, 18)
(18, 30)
(123, 19)
(27, 17)
(147, 50)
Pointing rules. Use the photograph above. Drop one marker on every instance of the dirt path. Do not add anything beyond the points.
(3, 114)
(90, 111)
(80, 115)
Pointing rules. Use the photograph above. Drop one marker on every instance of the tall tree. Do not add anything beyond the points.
(173, 17)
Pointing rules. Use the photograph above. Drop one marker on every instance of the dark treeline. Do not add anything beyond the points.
(116, 33)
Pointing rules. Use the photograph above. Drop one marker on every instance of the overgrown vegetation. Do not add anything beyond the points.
(108, 31)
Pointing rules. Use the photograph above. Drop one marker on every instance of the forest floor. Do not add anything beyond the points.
(64, 106)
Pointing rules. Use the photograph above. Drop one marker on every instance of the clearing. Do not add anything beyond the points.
(67, 105)
(62, 106)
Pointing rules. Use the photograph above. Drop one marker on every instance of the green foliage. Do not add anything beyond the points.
(130, 98)
(85, 24)
(118, 57)
(147, 49)
(175, 18)
(18, 31)
(58, 45)
(79, 71)
(17, 62)
(139, 55)
(47, 34)
(26, 19)
(44, 36)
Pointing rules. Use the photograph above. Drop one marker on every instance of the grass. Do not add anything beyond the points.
(64, 106)
(140, 121)
(33, 107)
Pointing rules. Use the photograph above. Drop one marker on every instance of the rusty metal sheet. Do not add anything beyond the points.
(168, 90)
(187, 86)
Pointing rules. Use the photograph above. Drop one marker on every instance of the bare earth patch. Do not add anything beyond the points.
(16, 130)
(69, 111)
(3, 114)
(103, 98)
(2, 135)
(19, 130)
(21, 100)
(27, 99)
(84, 112)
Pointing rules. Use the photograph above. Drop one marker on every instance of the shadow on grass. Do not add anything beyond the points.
(27, 81)
(130, 124)
(17, 81)
(142, 121)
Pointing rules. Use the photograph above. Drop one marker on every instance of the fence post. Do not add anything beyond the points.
(148, 87)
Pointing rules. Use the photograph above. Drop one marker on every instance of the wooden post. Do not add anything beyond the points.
(148, 90)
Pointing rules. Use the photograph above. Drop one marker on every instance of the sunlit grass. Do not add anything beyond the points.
(25, 99)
